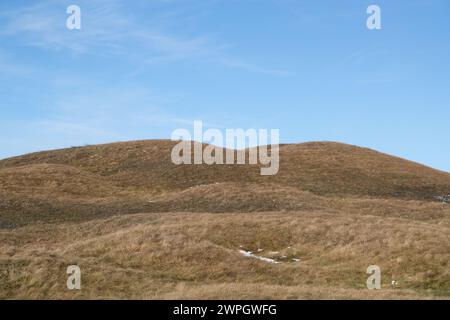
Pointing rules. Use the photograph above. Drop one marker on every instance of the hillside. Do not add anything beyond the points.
(324, 168)
(141, 227)
(94, 181)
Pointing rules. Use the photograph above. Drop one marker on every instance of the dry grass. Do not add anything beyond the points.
(140, 227)
(196, 255)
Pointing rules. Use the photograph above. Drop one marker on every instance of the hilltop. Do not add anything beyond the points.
(132, 177)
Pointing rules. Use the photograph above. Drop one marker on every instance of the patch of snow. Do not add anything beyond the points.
(249, 254)
(444, 199)
(295, 259)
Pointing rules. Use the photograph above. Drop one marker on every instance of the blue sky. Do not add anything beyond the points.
(140, 69)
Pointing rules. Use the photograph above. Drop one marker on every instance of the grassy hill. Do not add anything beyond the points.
(99, 180)
(142, 227)
(324, 168)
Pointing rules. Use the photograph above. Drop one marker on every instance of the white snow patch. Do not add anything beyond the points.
(444, 199)
(249, 254)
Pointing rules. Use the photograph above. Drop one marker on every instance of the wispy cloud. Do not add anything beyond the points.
(108, 113)
(43, 25)
(108, 29)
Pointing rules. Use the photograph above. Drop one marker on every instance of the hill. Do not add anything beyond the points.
(94, 181)
(141, 227)
(324, 168)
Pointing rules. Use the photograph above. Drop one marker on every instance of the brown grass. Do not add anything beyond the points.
(195, 255)
(140, 227)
